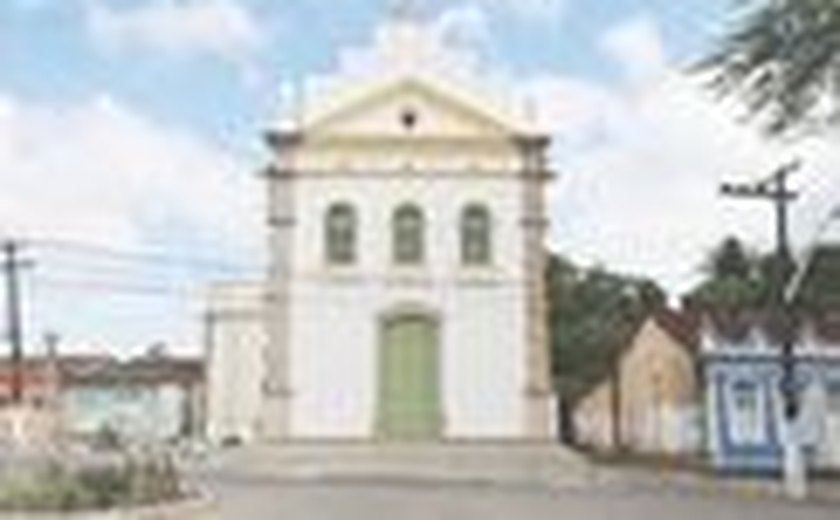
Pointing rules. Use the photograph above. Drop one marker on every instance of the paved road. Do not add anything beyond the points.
(265, 498)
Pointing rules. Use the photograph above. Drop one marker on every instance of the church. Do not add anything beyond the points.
(405, 298)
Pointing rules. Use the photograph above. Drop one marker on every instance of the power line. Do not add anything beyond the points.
(137, 256)
(51, 266)
(100, 286)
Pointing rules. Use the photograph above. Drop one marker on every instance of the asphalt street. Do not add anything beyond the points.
(252, 497)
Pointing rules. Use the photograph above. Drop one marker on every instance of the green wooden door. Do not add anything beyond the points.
(409, 395)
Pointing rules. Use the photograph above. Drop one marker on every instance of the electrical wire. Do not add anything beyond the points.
(80, 248)
(47, 283)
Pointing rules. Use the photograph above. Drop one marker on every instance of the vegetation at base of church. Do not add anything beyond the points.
(55, 487)
(783, 61)
(592, 315)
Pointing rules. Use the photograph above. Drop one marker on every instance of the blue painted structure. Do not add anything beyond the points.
(745, 425)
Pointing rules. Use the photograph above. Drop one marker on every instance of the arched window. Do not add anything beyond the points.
(476, 235)
(408, 235)
(340, 234)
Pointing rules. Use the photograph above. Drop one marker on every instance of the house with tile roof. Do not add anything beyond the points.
(154, 396)
(742, 369)
(650, 403)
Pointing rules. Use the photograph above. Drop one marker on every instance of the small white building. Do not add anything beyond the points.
(405, 298)
(235, 339)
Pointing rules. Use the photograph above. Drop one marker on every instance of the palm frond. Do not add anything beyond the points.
(783, 61)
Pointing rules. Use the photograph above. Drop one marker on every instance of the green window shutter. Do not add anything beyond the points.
(408, 235)
(476, 235)
(340, 234)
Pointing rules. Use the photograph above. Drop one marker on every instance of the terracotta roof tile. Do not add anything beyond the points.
(682, 326)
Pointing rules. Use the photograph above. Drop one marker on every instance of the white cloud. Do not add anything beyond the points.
(469, 20)
(463, 24)
(100, 172)
(635, 44)
(220, 28)
(640, 165)
(93, 169)
(532, 10)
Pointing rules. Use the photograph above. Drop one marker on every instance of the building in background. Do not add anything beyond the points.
(405, 299)
(744, 409)
(151, 397)
(651, 402)
(35, 421)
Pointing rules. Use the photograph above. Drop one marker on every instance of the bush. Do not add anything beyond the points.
(51, 491)
(107, 439)
(55, 488)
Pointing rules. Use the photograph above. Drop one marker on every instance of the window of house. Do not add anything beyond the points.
(408, 235)
(747, 417)
(476, 235)
(340, 234)
(833, 398)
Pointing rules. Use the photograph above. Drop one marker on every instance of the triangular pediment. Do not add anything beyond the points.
(411, 107)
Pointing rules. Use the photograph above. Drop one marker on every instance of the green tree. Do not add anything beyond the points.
(737, 280)
(731, 260)
(592, 314)
(783, 60)
(733, 282)
(820, 290)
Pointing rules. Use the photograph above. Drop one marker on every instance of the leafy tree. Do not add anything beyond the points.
(731, 260)
(737, 280)
(820, 290)
(592, 314)
(775, 272)
(734, 282)
(783, 60)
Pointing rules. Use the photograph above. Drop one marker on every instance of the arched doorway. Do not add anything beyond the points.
(409, 378)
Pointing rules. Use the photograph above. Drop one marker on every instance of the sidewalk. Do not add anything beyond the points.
(527, 464)
(699, 478)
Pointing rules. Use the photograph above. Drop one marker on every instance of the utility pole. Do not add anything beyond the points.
(11, 268)
(776, 190)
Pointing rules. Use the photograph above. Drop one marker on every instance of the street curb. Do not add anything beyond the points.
(196, 508)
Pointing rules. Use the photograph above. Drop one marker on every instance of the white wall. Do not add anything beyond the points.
(235, 339)
(335, 313)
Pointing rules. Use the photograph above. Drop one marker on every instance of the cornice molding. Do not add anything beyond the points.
(463, 174)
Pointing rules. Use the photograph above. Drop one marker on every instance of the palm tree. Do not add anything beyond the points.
(783, 60)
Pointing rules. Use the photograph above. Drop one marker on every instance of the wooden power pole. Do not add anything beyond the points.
(11, 270)
(777, 191)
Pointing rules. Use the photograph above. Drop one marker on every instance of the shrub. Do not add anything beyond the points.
(102, 486)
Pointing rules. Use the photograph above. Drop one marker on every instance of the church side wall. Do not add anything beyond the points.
(235, 336)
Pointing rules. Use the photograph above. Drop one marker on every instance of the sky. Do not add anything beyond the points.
(130, 138)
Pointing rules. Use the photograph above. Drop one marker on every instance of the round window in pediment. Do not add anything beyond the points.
(409, 118)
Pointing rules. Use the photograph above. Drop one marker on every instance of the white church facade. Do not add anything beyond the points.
(405, 299)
